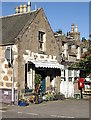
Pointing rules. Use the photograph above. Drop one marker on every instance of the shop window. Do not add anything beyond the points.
(69, 73)
(75, 73)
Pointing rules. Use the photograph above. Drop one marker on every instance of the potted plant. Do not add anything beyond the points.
(23, 102)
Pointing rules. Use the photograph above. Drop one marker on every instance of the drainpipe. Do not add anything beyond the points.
(67, 81)
(12, 74)
(27, 73)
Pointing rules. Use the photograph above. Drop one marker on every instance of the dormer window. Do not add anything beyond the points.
(41, 41)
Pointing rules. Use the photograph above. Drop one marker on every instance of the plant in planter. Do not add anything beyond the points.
(37, 83)
(23, 102)
(49, 96)
(59, 96)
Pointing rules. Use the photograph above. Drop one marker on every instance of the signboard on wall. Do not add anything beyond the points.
(9, 55)
(6, 93)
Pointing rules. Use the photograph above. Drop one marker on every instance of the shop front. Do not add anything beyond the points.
(50, 76)
(48, 68)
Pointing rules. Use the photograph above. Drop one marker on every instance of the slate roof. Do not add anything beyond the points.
(12, 25)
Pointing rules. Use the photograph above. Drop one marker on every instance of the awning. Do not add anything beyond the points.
(46, 64)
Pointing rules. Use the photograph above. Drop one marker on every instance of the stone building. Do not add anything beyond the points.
(29, 35)
(37, 49)
(70, 53)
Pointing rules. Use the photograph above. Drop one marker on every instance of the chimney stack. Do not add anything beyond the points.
(24, 8)
(72, 28)
(29, 4)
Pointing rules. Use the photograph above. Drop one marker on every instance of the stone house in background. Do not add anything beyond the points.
(85, 44)
(70, 53)
(32, 40)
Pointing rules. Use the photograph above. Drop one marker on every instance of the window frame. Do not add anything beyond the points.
(41, 41)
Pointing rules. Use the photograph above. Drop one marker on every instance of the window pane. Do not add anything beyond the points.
(41, 40)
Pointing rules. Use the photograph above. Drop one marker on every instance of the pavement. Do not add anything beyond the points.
(68, 108)
(3, 106)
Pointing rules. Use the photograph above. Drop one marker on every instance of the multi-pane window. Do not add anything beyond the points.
(75, 73)
(63, 56)
(41, 40)
(69, 73)
(62, 73)
(69, 48)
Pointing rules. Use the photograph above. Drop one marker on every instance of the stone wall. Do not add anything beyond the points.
(71, 59)
(5, 71)
(29, 41)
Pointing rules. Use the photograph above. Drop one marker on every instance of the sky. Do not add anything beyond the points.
(59, 14)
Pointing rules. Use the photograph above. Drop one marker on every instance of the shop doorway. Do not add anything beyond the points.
(42, 72)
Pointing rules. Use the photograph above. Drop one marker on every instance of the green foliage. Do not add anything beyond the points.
(49, 96)
(90, 35)
(89, 49)
(37, 79)
(85, 62)
(83, 39)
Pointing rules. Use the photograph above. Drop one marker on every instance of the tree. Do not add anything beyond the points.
(37, 83)
(59, 31)
(90, 36)
(83, 39)
(37, 79)
(85, 62)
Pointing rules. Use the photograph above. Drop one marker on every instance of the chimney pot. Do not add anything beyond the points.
(21, 9)
(76, 28)
(28, 3)
(24, 8)
(72, 28)
(17, 10)
(29, 6)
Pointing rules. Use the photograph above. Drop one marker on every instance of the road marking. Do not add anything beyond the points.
(65, 116)
(70, 117)
(32, 113)
(2, 111)
(61, 116)
(53, 115)
(20, 112)
(27, 113)
(23, 112)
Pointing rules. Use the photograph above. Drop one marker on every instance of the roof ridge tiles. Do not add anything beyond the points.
(17, 14)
